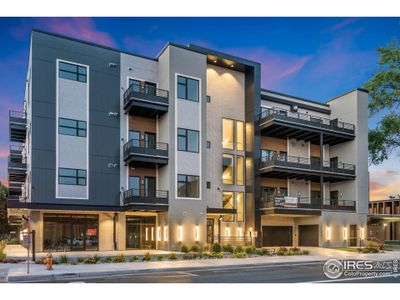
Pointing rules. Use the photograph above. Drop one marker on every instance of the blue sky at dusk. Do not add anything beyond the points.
(314, 58)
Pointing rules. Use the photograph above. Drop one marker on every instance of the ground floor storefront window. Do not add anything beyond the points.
(140, 232)
(62, 232)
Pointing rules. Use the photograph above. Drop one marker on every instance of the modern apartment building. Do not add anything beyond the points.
(119, 151)
(384, 220)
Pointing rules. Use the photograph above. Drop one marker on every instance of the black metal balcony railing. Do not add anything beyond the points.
(144, 146)
(308, 203)
(147, 196)
(307, 164)
(17, 117)
(137, 90)
(306, 119)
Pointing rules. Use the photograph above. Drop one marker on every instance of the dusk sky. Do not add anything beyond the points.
(314, 58)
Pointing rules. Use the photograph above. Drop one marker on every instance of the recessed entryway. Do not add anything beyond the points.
(308, 235)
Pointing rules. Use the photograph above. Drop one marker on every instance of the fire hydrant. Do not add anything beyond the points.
(48, 261)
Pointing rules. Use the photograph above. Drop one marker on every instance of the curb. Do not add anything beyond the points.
(86, 275)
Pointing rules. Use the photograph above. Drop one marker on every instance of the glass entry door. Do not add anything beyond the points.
(210, 231)
(150, 140)
(150, 186)
(140, 232)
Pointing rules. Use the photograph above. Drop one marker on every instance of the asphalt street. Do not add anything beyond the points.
(309, 272)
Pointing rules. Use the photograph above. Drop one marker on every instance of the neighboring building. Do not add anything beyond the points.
(384, 220)
(121, 151)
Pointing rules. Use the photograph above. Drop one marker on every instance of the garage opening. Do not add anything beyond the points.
(277, 236)
(308, 235)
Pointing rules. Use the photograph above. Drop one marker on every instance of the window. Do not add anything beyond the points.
(72, 72)
(227, 169)
(146, 87)
(188, 88)
(268, 155)
(71, 176)
(239, 170)
(268, 194)
(71, 127)
(228, 203)
(188, 186)
(239, 207)
(208, 184)
(188, 140)
(239, 135)
(282, 156)
(227, 134)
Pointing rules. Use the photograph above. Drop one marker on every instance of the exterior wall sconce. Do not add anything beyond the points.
(239, 232)
(362, 233)
(345, 233)
(159, 233)
(328, 233)
(180, 233)
(152, 233)
(147, 233)
(165, 233)
(196, 233)
(227, 231)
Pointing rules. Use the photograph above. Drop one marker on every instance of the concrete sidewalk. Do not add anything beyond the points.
(17, 272)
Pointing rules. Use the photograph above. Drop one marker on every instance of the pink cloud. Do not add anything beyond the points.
(342, 24)
(384, 180)
(80, 28)
(3, 151)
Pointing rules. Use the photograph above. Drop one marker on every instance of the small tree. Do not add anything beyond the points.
(384, 91)
(4, 227)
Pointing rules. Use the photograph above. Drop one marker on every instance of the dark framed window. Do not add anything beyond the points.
(268, 155)
(188, 88)
(71, 176)
(188, 140)
(188, 186)
(71, 127)
(72, 72)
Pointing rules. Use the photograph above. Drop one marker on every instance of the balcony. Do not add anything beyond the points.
(281, 123)
(145, 200)
(17, 123)
(305, 168)
(146, 154)
(303, 206)
(145, 101)
(15, 188)
(16, 165)
(291, 206)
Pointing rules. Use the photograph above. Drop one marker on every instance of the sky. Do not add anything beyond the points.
(314, 58)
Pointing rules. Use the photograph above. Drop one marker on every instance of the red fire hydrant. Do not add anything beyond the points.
(48, 261)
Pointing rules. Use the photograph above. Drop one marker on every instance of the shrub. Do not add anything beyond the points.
(92, 260)
(133, 258)
(238, 249)
(281, 253)
(265, 251)
(216, 248)
(195, 248)
(81, 260)
(250, 250)
(3, 256)
(107, 259)
(239, 255)
(172, 256)
(119, 258)
(160, 257)
(218, 255)
(13, 242)
(63, 259)
(295, 249)
(305, 252)
(184, 248)
(282, 249)
(146, 257)
(206, 248)
(227, 248)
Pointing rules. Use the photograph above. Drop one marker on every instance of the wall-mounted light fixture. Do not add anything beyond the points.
(165, 233)
(227, 231)
(152, 233)
(159, 233)
(147, 233)
(362, 233)
(328, 233)
(196, 233)
(180, 233)
(345, 233)
(239, 231)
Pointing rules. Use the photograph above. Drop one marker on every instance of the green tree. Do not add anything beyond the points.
(4, 227)
(384, 91)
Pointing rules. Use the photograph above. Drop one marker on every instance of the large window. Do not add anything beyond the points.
(239, 170)
(227, 169)
(188, 140)
(62, 232)
(71, 176)
(228, 203)
(227, 134)
(239, 135)
(268, 155)
(188, 88)
(188, 186)
(71, 127)
(240, 206)
(72, 72)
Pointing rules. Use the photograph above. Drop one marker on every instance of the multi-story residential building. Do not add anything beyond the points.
(120, 151)
(384, 220)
